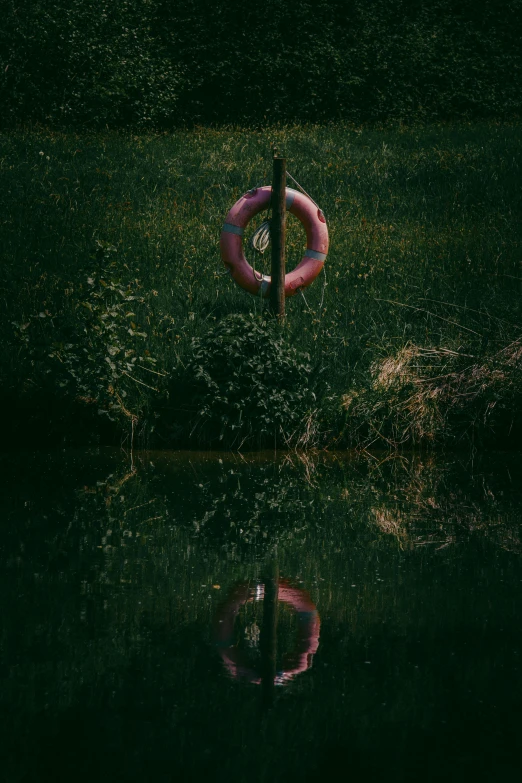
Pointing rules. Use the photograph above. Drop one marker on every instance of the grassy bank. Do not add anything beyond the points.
(111, 271)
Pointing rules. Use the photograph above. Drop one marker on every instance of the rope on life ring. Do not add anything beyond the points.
(231, 241)
(294, 662)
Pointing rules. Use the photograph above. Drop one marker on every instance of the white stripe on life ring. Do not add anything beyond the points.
(315, 254)
(290, 196)
(231, 229)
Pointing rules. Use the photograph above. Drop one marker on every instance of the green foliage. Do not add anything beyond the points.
(157, 64)
(108, 358)
(88, 63)
(247, 386)
(425, 250)
(97, 353)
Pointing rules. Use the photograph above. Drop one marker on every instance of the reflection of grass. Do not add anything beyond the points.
(424, 233)
(249, 503)
(124, 634)
(425, 503)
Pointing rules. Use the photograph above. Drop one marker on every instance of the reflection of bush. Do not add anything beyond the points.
(251, 503)
(238, 504)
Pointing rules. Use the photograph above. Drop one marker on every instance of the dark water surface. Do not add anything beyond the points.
(140, 620)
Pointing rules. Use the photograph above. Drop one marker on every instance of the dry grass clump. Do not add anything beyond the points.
(427, 395)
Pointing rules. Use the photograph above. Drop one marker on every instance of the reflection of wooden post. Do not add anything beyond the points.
(268, 640)
(277, 236)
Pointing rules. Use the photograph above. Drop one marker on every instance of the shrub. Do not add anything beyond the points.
(243, 385)
(109, 351)
(93, 353)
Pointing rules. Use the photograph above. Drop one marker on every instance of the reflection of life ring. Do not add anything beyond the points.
(307, 642)
(238, 218)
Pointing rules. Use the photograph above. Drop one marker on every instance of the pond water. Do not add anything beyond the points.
(184, 616)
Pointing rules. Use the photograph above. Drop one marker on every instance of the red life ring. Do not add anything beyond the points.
(307, 642)
(238, 218)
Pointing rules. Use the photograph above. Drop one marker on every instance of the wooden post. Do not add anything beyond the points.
(268, 640)
(277, 236)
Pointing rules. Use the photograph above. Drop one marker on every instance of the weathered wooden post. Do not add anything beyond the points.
(268, 640)
(277, 236)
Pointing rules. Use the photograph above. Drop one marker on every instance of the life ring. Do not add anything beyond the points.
(294, 662)
(238, 218)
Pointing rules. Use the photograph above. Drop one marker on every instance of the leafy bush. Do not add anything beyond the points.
(95, 355)
(108, 358)
(245, 386)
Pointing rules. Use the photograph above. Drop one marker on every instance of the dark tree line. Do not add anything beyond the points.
(165, 63)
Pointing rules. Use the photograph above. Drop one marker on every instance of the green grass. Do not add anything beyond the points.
(425, 241)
